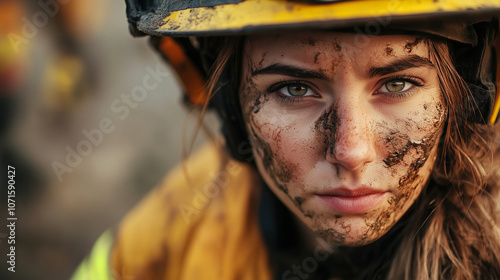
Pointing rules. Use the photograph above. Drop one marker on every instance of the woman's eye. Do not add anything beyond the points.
(297, 90)
(395, 86)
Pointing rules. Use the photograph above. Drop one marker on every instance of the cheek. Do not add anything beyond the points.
(408, 140)
(284, 144)
(411, 148)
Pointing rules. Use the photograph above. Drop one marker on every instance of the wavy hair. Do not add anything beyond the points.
(460, 237)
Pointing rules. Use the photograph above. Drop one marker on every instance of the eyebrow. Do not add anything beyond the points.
(291, 71)
(412, 61)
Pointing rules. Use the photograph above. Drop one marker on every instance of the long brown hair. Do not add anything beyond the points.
(460, 238)
(454, 231)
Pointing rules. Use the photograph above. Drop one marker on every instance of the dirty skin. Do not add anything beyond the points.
(327, 125)
(251, 92)
(316, 57)
(422, 146)
(389, 51)
(410, 45)
(279, 172)
(409, 181)
(326, 128)
(311, 42)
(337, 47)
(262, 59)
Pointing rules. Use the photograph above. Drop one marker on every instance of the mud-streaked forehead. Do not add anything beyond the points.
(321, 49)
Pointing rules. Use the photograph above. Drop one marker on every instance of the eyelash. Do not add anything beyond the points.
(297, 99)
(416, 82)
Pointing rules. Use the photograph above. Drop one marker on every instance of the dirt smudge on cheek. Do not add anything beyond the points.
(269, 150)
(407, 186)
(276, 169)
(253, 100)
(412, 178)
(391, 136)
(280, 171)
(422, 148)
(299, 200)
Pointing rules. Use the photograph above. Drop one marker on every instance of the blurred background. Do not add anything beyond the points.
(65, 68)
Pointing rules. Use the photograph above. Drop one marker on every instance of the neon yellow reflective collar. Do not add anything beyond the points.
(97, 264)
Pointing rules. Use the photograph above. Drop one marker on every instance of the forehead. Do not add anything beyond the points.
(320, 46)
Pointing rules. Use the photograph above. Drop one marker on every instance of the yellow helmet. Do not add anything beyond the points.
(471, 24)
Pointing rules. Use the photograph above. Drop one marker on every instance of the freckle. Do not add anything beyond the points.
(338, 216)
(425, 106)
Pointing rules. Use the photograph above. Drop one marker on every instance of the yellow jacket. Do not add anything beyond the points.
(200, 223)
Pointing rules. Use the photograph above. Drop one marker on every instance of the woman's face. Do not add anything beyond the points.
(345, 135)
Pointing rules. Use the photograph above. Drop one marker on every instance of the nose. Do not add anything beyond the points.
(353, 144)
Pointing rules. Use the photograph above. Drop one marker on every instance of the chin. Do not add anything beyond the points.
(349, 231)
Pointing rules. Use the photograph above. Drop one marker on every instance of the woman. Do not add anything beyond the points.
(359, 156)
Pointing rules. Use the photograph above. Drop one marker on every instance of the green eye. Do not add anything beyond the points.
(297, 90)
(395, 86)
(400, 87)
(294, 90)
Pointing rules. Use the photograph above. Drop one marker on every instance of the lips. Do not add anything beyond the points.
(352, 201)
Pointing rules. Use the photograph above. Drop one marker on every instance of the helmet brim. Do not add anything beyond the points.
(252, 16)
